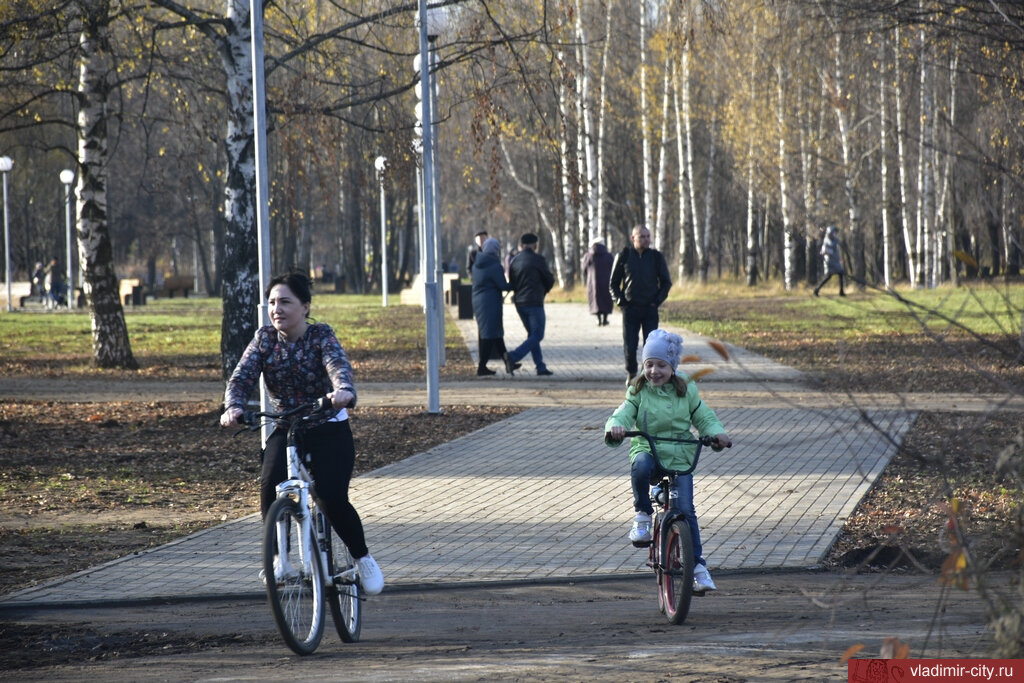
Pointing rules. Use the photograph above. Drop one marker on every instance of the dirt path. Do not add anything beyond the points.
(763, 627)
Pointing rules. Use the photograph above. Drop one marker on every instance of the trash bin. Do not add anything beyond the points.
(465, 302)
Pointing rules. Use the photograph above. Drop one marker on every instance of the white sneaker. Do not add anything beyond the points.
(640, 534)
(283, 571)
(702, 580)
(370, 576)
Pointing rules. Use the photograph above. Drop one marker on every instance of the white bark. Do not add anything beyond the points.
(699, 250)
(111, 347)
(645, 128)
(883, 170)
(901, 164)
(543, 211)
(681, 189)
(789, 241)
(599, 227)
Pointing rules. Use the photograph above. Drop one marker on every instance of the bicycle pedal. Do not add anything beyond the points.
(641, 544)
(700, 594)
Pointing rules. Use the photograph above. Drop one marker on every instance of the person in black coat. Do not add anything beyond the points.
(489, 284)
(531, 280)
(639, 284)
(596, 267)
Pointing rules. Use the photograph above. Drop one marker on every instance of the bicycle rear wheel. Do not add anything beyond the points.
(677, 578)
(295, 587)
(342, 596)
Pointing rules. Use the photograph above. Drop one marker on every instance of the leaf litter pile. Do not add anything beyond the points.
(84, 483)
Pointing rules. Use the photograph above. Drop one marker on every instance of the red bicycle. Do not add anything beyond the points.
(671, 551)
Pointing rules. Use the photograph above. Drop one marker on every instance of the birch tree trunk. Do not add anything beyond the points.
(883, 167)
(849, 170)
(709, 198)
(240, 282)
(926, 196)
(111, 346)
(592, 172)
(645, 128)
(681, 190)
(567, 243)
(901, 163)
(699, 248)
(600, 229)
(542, 211)
(662, 200)
(789, 239)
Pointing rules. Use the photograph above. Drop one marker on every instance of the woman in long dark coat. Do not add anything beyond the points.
(596, 267)
(488, 285)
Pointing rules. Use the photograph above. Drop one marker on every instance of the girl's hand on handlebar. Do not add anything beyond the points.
(721, 441)
(230, 417)
(340, 398)
(615, 434)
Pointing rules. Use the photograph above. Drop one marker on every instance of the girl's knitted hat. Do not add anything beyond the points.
(666, 346)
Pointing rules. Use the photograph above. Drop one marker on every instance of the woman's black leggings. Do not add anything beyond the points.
(333, 457)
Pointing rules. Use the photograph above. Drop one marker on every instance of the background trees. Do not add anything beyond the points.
(737, 130)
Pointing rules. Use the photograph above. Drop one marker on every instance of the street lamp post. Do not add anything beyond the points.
(381, 164)
(67, 176)
(6, 164)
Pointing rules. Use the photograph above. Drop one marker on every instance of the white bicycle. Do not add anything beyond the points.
(305, 563)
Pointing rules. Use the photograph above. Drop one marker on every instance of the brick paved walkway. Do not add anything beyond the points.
(539, 496)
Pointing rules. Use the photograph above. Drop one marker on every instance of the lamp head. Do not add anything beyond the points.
(381, 164)
(6, 164)
(67, 176)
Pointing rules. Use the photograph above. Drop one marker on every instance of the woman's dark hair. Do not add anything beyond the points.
(297, 282)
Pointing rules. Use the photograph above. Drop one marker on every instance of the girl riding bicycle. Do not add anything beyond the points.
(300, 363)
(663, 403)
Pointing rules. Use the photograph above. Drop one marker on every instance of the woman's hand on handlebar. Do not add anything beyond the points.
(340, 398)
(721, 441)
(230, 417)
(615, 434)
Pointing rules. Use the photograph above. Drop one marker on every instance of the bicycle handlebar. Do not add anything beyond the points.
(700, 441)
(252, 418)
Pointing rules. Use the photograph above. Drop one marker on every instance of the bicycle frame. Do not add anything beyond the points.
(299, 485)
(672, 562)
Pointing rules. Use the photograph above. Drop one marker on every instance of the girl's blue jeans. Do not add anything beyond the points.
(642, 470)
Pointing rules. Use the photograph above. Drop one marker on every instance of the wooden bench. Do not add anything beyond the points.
(176, 284)
(130, 292)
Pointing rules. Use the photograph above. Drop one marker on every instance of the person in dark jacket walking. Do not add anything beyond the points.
(830, 260)
(473, 250)
(489, 283)
(639, 284)
(531, 280)
(596, 267)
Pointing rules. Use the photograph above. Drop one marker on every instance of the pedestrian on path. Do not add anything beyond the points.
(489, 285)
(832, 262)
(473, 250)
(596, 267)
(531, 280)
(638, 285)
(662, 402)
(302, 362)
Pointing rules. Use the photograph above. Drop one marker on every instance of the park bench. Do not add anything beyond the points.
(179, 285)
(131, 292)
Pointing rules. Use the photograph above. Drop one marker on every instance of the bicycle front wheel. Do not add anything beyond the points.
(677, 575)
(342, 594)
(294, 577)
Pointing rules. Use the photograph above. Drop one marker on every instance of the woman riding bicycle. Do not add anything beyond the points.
(662, 403)
(301, 362)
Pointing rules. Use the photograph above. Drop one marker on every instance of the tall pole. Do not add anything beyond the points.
(67, 244)
(381, 164)
(430, 284)
(259, 99)
(67, 176)
(6, 164)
